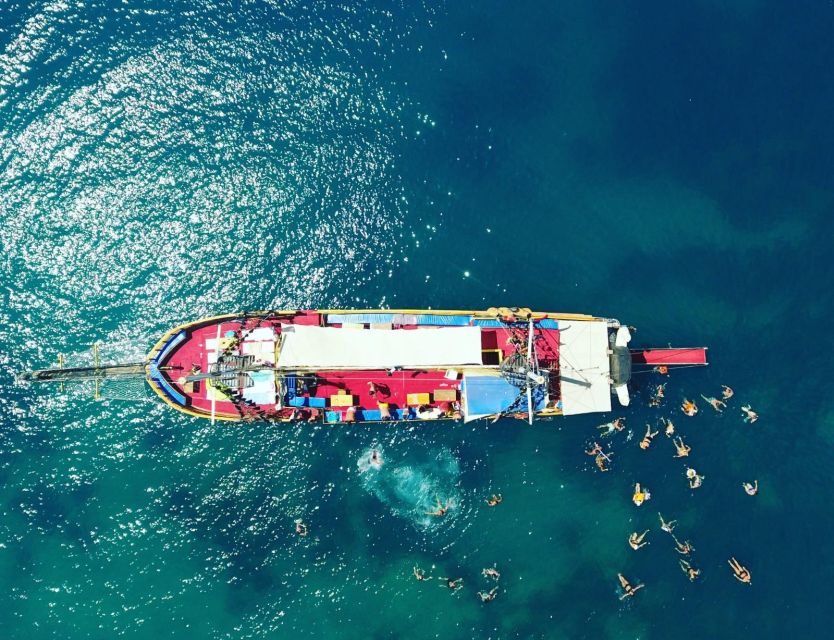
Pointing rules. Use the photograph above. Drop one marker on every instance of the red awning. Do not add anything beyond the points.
(670, 357)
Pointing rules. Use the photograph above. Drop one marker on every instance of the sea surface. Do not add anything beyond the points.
(665, 163)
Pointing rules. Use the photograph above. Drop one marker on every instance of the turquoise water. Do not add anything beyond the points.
(667, 166)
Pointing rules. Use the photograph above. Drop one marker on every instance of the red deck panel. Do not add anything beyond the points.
(690, 355)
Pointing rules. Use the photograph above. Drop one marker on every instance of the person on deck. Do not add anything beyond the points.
(384, 411)
(350, 414)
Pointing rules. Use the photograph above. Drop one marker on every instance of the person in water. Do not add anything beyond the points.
(726, 392)
(684, 548)
(628, 590)
(691, 572)
(646, 442)
(695, 480)
(419, 574)
(635, 541)
(662, 370)
(668, 527)
(669, 427)
(750, 416)
(488, 596)
(689, 407)
(716, 404)
(452, 585)
(751, 489)
(491, 572)
(601, 461)
(681, 448)
(740, 571)
(610, 427)
(376, 459)
(640, 495)
(595, 450)
(441, 509)
(300, 528)
(494, 500)
(657, 397)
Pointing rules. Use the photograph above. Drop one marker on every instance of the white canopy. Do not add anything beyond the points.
(584, 367)
(330, 347)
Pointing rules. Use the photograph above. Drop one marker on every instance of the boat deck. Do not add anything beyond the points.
(328, 393)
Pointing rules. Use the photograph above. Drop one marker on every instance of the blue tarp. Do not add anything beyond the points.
(486, 395)
(399, 318)
(546, 323)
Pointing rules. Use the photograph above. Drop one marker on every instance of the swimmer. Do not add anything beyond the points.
(640, 495)
(751, 489)
(726, 392)
(491, 572)
(601, 459)
(300, 528)
(670, 428)
(659, 394)
(681, 448)
(635, 541)
(628, 590)
(376, 459)
(419, 574)
(668, 527)
(750, 416)
(691, 572)
(488, 596)
(646, 442)
(610, 427)
(662, 370)
(441, 509)
(350, 414)
(494, 500)
(596, 449)
(689, 407)
(716, 403)
(740, 571)
(452, 585)
(684, 548)
(695, 480)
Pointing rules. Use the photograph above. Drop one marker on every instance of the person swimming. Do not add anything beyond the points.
(740, 571)
(646, 442)
(726, 392)
(300, 528)
(668, 527)
(695, 480)
(662, 370)
(635, 541)
(375, 459)
(491, 572)
(596, 449)
(681, 448)
(640, 495)
(669, 427)
(684, 548)
(658, 395)
(716, 404)
(419, 574)
(691, 572)
(689, 407)
(488, 596)
(751, 489)
(441, 509)
(601, 460)
(610, 427)
(452, 585)
(628, 590)
(494, 500)
(750, 416)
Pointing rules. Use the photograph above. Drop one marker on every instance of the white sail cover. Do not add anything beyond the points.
(584, 367)
(307, 347)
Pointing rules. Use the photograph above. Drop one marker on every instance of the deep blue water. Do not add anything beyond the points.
(667, 165)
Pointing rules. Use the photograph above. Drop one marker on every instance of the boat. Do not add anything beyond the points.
(355, 366)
